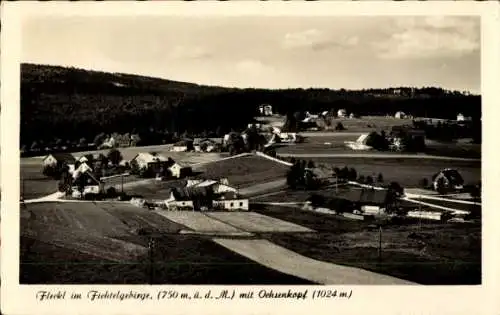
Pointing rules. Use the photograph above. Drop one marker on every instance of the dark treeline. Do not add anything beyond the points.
(71, 103)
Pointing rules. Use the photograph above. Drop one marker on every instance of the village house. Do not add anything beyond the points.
(400, 115)
(85, 182)
(59, 160)
(448, 179)
(230, 201)
(217, 186)
(207, 144)
(183, 146)
(429, 215)
(179, 170)
(341, 113)
(150, 162)
(266, 110)
(204, 195)
(403, 138)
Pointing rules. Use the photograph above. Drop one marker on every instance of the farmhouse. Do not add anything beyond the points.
(150, 162)
(230, 201)
(400, 115)
(425, 215)
(461, 117)
(85, 182)
(179, 170)
(59, 160)
(205, 195)
(207, 144)
(183, 146)
(403, 138)
(341, 113)
(217, 187)
(266, 110)
(447, 178)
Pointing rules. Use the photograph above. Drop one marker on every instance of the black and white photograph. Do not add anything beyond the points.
(252, 150)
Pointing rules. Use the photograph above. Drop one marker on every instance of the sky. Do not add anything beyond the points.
(267, 52)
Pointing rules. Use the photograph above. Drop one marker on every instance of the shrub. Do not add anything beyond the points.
(361, 179)
(352, 174)
(339, 127)
(380, 178)
(424, 183)
(369, 180)
(111, 192)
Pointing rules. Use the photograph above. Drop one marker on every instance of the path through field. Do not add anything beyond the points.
(289, 262)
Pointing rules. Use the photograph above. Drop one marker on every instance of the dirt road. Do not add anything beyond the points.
(286, 261)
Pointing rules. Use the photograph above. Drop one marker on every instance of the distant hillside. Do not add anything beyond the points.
(69, 104)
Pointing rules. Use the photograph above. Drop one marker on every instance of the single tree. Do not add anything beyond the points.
(424, 183)
(380, 178)
(369, 180)
(115, 156)
(310, 164)
(352, 174)
(339, 127)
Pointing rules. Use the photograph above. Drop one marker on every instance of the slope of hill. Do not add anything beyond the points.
(69, 104)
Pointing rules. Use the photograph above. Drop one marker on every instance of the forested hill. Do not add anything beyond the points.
(69, 103)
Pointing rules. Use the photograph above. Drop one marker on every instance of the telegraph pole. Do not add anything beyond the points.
(151, 245)
(380, 242)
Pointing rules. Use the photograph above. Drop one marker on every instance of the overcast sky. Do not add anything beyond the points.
(268, 52)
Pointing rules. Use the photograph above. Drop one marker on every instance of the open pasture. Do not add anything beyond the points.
(119, 219)
(86, 242)
(33, 183)
(256, 222)
(244, 171)
(406, 171)
(439, 254)
(178, 259)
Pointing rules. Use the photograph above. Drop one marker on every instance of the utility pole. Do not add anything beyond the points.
(151, 245)
(380, 242)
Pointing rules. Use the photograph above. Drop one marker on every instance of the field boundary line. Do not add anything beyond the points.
(466, 202)
(456, 211)
(222, 159)
(365, 185)
(273, 159)
(377, 156)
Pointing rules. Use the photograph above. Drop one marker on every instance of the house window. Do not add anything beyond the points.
(232, 204)
(241, 204)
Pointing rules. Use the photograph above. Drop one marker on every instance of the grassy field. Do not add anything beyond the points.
(244, 171)
(447, 253)
(408, 172)
(177, 260)
(86, 243)
(33, 183)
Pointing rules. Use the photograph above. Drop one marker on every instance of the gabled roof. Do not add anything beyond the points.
(190, 193)
(452, 175)
(213, 140)
(149, 157)
(229, 195)
(63, 157)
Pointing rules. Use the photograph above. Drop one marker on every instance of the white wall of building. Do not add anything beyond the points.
(238, 204)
